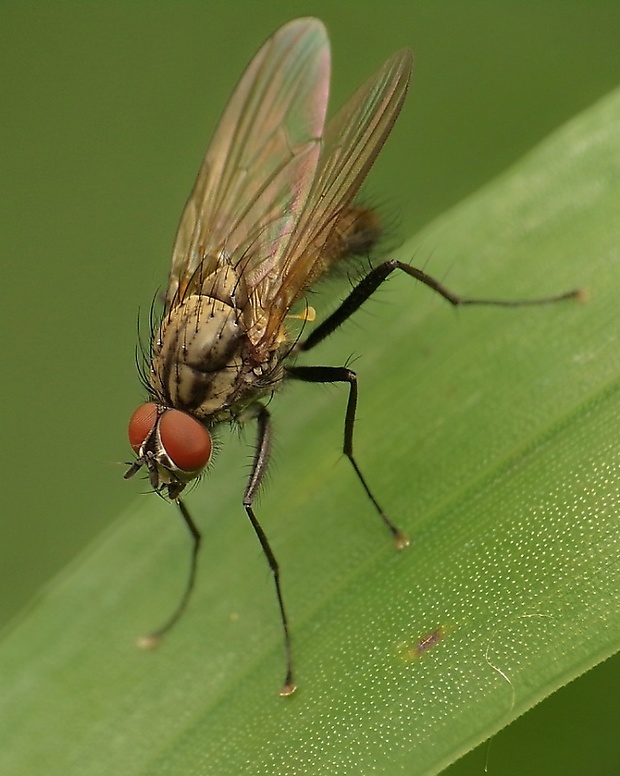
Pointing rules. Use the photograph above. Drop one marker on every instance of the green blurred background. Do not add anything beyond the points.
(106, 112)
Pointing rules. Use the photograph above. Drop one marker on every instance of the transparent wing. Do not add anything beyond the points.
(260, 164)
(352, 140)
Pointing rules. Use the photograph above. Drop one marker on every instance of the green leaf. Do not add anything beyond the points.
(489, 434)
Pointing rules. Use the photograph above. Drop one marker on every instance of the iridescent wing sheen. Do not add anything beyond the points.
(352, 140)
(260, 165)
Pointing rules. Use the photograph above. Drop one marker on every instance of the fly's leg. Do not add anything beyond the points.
(259, 466)
(369, 284)
(340, 374)
(326, 374)
(153, 639)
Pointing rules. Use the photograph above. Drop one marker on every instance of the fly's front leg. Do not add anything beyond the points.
(369, 284)
(340, 374)
(259, 466)
(153, 639)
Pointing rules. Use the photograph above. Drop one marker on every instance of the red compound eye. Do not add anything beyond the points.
(186, 441)
(141, 424)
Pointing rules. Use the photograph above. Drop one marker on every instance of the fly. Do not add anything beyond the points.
(271, 211)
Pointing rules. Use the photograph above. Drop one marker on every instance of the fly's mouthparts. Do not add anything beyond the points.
(134, 468)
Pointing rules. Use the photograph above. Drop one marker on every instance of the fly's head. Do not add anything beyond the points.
(173, 445)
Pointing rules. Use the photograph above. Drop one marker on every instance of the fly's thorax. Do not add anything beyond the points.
(204, 363)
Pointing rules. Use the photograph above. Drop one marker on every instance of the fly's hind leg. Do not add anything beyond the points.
(328, 374)
(371, 282)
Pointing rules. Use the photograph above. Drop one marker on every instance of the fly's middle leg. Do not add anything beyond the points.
(340, 374)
